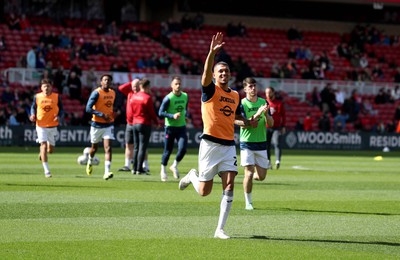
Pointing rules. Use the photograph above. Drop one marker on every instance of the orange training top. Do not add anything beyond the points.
(104, 104)
(218, 114)
(47, 110)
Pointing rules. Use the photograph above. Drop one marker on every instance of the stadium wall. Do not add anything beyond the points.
(80, 136)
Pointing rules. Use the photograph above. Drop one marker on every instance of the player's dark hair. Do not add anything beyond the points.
(106, 75)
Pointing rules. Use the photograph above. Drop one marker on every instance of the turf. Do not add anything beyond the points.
(318, 205)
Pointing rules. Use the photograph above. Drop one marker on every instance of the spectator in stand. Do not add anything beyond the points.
(340, 96)
(367, 108)
(100, 30)
(299, 124)
(339, 121)
(381, 97)
(397, 113)
(3, 44)
(328, 100)
(12, 120)
(74, 85)
(31, 58)
(112, 29)
(91, 78)
(13, 22)
(395, 93)
(8, 96)
(3, 117)
(59, 78)
(113, 49)
(324, 123)
(397, 75)
(377, 72)
(274, 133)
(292, 53)
(25, 24)
(308, 122)
(294, 34)
(40, 61)
(315, 97)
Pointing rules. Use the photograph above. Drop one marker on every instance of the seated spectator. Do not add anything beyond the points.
(113, 49)
(100, 30)
(31, 58)
(366, 108)
(299, 125)
(339, 121)
(12, 120)
(377, 72)
(381, 97)
(324, 123)
(8, 96)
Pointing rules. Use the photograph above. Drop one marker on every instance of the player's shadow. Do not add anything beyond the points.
(260, 237)
(333, 211)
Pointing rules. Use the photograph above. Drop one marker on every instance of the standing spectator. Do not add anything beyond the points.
(25, 24)
(46, 111)
(217, 153)
(129, 89)
(31, 58)
(274, 133)
(13, 22)
(174, 109)
(74, 85)
(143, 115)
(253, 140)
(308, 122)
(100, 105)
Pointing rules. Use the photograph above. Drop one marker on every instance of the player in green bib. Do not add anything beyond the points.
(253, 140)
(174, 109)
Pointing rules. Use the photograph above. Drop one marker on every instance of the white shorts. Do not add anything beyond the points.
(215, 158)
(46, 134)
(98, 134)
(250, 157)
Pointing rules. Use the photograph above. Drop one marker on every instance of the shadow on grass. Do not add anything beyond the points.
(338, 212)
(319, 240)
(51, 186)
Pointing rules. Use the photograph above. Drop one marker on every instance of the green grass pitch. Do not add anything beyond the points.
(319, 205)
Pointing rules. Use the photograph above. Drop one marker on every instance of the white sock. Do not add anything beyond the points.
(195, 181)
(127, 162)
(225, 208)
(145, 164)
(90, 160)
(175, 163)
(107, 166)
(163, 168)
(277, 161)
(46, 167)
(248, 198)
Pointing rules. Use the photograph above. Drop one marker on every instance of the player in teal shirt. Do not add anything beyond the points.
(174, 109)
(253, 139)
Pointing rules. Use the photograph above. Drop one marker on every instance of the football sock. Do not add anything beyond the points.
(163, 168)
(248, 199)
(46, 167)
(145, 164)
(127, 162)
(107, 166)
(175, 163)
(90, 160)
(225, 208)
(195, 181)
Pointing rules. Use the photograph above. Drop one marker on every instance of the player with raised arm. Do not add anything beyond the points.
(217, 153)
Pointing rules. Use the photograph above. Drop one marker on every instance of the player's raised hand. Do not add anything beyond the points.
(217, 41)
